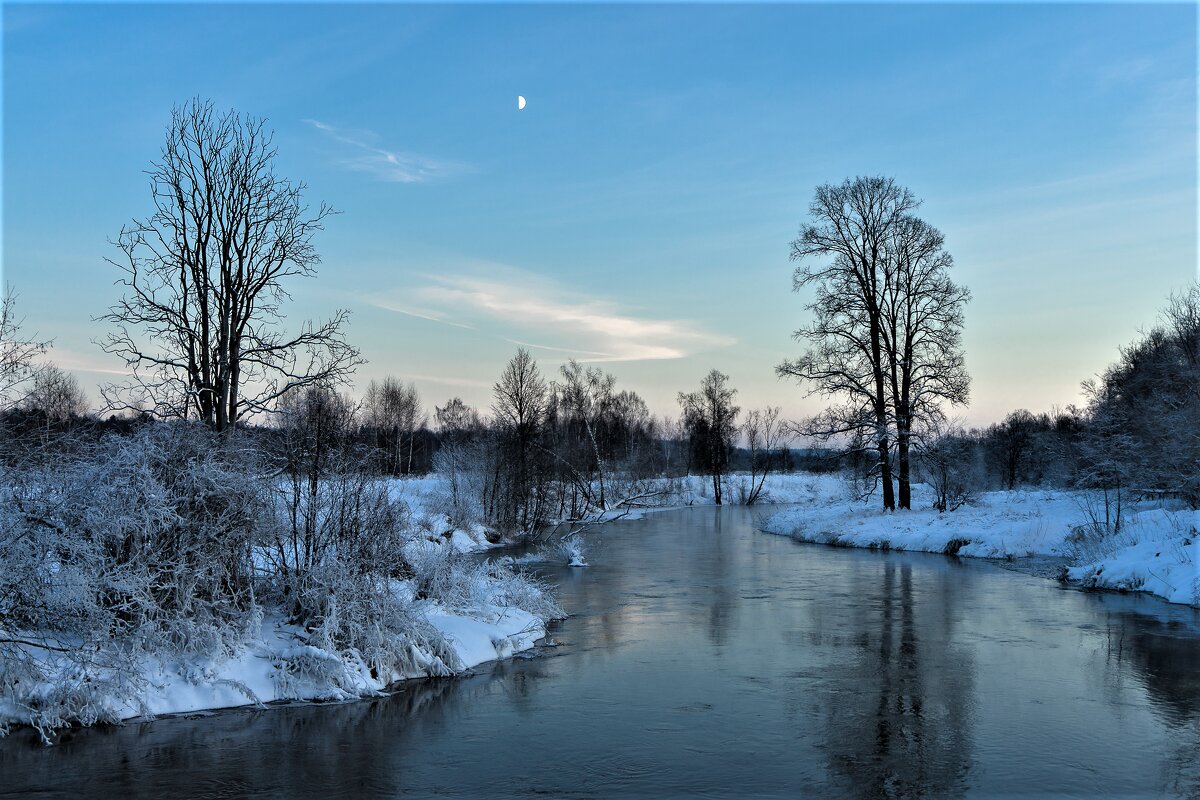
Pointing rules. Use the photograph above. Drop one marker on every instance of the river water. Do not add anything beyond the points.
(706, 659)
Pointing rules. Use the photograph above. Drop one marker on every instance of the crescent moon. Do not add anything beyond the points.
(520, 102)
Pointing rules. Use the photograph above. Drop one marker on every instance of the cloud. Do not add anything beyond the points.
(394, 166)
(432, 315)
(80, 362)
(470, 383)
(520, 307)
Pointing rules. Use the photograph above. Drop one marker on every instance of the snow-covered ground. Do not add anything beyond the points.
(1157, 549)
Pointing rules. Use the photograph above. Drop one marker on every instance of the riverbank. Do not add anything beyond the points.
(427, 500)
(453, 615)
(1156, 551)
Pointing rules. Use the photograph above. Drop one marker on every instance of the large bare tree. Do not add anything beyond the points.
(885, 335)
(851, 224)
(205, 277)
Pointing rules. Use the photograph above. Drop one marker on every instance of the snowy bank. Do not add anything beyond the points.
(483, 611)
(281, 665)
(1159, 553)
(427, 499)
(1156, 551)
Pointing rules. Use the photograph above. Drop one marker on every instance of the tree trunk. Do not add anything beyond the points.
(885, 475)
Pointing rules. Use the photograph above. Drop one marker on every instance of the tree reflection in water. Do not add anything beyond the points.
(901, 724)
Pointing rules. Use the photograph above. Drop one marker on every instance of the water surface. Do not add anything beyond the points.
(705, 659)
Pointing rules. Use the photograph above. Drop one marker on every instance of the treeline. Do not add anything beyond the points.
(550, 447)
(1137, 436)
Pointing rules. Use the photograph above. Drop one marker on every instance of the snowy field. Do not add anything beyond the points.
(1157, 549)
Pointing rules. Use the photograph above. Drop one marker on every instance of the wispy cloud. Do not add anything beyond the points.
(433, 315)
(468, 383)
(80, 362)
(395, 166)
(521, 307)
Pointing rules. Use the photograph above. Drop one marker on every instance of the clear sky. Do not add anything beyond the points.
(638, 211)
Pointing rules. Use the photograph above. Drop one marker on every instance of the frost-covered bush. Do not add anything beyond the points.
(570, 550)
(138, 545)
(522, 590)
(343, 521)
(146, 533)
(357, 618)
(461, 582)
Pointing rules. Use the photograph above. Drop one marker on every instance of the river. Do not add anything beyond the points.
(706, 659)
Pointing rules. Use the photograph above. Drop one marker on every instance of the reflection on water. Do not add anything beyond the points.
(705, 659)
(902, 727)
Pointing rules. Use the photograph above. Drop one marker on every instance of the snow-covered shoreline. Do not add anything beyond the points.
(482, 611)
(259, 675)
(1157, 550)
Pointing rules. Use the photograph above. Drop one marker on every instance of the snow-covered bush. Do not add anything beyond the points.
(140, 545)
(570, 550)
(159, 555)
(462, 582)
(524, 591)
(150, 533)
(356, 618)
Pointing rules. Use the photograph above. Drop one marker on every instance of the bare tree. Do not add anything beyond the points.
(922, 311)
(585, 395)
(458, 424)
(711, 420)
(520, 406)
(852, 224)
(1010, 443)
(887, 321)
(765, 435)
(205, 279)
(393, 410)
(56, 395)
(18, 355)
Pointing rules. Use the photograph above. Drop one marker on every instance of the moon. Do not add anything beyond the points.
(520, 102)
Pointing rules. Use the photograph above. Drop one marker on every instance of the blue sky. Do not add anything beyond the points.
(638, 211)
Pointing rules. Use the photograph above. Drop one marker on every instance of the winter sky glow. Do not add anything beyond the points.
(638, 211)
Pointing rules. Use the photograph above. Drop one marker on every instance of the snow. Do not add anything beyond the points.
(1159, 554)
(1157, 549)
(265, 671)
